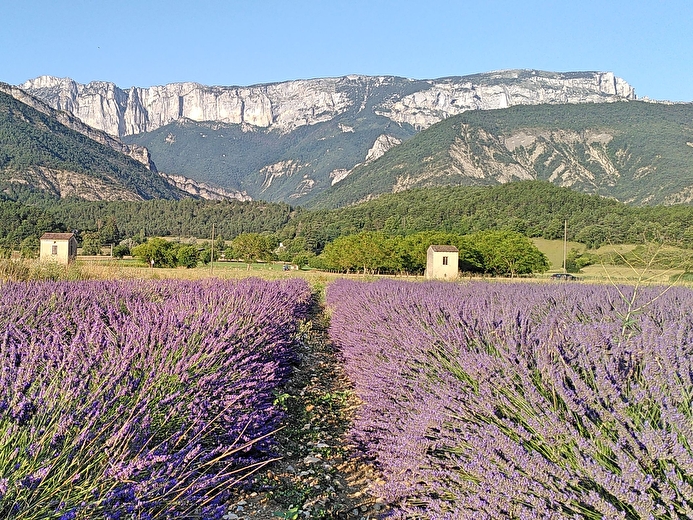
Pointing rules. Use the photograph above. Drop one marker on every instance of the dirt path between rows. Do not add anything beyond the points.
(321, 475)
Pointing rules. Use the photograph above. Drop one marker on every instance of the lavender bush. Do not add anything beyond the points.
(523, 401)
(138, 399)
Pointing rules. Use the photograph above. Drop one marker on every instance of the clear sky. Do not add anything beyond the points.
(245, 42)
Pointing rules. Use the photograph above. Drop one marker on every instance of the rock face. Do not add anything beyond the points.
(291, 141)
(204, 190)
(452, 96)
(292, 104)
(382, 144)
(72, 184)
(63, 183)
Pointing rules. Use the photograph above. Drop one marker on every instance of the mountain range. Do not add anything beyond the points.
(338, 141)
(295, 141)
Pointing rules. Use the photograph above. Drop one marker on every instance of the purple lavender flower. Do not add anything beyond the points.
(150, 395)
(522, 401)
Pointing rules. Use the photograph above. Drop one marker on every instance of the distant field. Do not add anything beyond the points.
(553, 249)
(626, 275)
(128, 268)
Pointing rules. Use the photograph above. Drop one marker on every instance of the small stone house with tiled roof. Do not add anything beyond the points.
(442, 262)
(58, 247)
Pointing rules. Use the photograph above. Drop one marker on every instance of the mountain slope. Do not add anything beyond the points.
(633, 151)
(267, 164)
(39, 154)
(290, 141)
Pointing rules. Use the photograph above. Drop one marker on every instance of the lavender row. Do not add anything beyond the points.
(491, 401)
(139, 399)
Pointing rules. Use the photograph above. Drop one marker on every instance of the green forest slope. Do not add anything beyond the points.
(635, 152)
(534, 208)
(39, 154)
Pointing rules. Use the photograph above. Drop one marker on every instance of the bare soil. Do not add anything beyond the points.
(321, 474)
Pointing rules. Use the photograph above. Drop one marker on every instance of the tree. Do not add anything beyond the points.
(219, 247)
(509, 253)
(29, 247)
(205, 255)
(120, 251)
(251, 247)
(91, 243)
(593, 235)
(576, 260)
(5, 252)
(188, 256)
(370, 250)
(303, 258)
(161, 251)
(109, 233)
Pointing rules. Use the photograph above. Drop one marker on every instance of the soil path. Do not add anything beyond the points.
(321, 475)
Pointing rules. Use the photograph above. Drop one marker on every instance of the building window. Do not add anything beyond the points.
(54, 249)
(445, 260)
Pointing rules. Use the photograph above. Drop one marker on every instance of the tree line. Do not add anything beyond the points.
(497, 253)
(531, 208)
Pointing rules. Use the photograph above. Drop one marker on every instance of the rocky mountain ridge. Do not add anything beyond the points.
(65, 183)
(289, 105)
(293, 140)
(633, 151)
(66, 118)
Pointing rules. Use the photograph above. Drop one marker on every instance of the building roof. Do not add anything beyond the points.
(57, 236)
(443, 249)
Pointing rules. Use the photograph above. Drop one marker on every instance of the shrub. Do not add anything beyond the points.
(187, 256)
(120, 251)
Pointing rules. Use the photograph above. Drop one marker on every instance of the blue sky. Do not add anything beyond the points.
(245, 42)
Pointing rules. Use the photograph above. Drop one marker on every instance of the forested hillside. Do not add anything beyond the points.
(267, 164)
(635, 152)
(187, 217)
(40, 155)
(533, 208)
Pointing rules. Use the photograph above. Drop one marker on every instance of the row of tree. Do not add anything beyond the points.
(498, 253)
(158, 252)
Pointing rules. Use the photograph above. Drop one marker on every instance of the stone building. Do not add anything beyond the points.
(58, 247)
(442, 262)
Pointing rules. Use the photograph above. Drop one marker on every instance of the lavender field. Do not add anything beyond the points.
(492, 401)
(139, 399)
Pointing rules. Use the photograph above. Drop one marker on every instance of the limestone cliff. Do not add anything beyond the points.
(204, 190)
(65, 183)
(293, 140)
(381, 145)
(288, 105)
(452, 96)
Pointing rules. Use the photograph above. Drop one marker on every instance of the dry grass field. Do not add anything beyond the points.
(109, 268)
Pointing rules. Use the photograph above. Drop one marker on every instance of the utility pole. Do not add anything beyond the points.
(565, 245)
